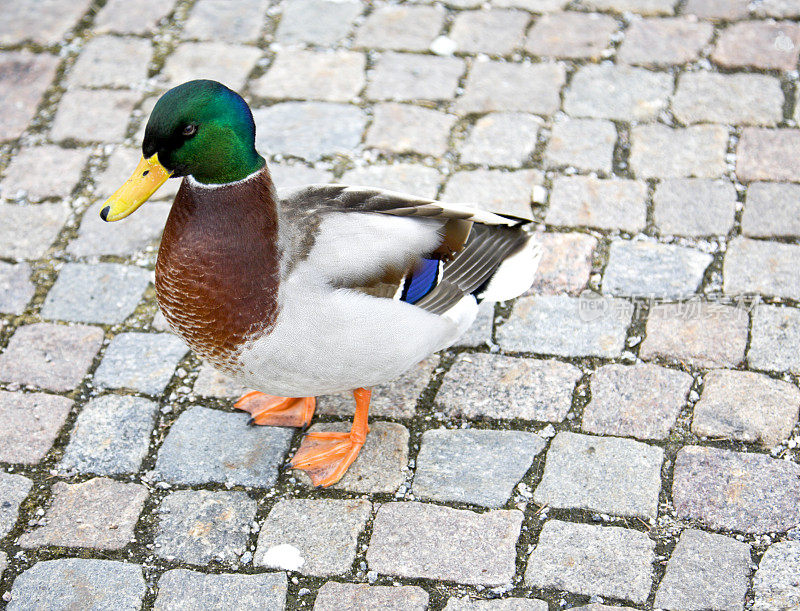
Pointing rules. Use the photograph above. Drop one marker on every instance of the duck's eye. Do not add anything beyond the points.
(190, 130)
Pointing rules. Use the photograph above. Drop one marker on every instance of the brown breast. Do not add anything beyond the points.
(218, 266)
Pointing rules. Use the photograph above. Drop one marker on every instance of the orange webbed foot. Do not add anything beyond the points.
(277, 411)
(326, 456)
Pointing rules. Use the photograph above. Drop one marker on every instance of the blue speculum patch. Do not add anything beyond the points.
(421, 281)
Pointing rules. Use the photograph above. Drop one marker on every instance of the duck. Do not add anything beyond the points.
(308, 291)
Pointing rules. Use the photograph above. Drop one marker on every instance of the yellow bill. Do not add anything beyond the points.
(148, 176)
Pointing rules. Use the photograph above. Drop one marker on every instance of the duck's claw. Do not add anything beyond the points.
(277, 411)
(326, 456)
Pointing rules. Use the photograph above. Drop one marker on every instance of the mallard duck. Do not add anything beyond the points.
(314, 290)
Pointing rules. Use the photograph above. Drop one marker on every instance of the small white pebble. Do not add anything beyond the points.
(443, 46)
(283, 556)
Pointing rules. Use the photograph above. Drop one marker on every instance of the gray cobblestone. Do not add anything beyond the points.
(433, 542)
(746, 406)
(586, 144)
(324, 532)
(214, 20)
(111, 435)
(334, 596)
(706, 571)
(24, 77)
(554, 325)
(592, 560)
(617, 92)
(140, 361)
(207, 445)
(717, 9)
(402, 128)
(218, 61)
(775, 582)
(771, 210)
(405, 76)
(665, 41)
(98, 514)
(494, 190)
(702, 334)
(643, 7)
(571, 35)
(501, 139)
(766, 497)
(694, 206)
(77, 583)
(336, 76)
(297, 175)
(213, 383)
(309, 129)
(641, 401)
(50, 356)
(579, 467)
(778, 8)
(495, 386)
(25, 20)
(738, 99)
(198, 526)
(26, 232)
(402, 177)
(661, 152)
(30, 424)
(502, 604)
(774, 339)
(13, 490)
(755, 266)
(179, 589)
(16, 289)
(478, 467)
(107, 122)
(497, 86)
(64, 170)
(401, 27)
(110, 61)
(103, 292)
(495, 32)
(320, 22)
(125, 17)
(594, 202)
(96, 237)
(650, 269)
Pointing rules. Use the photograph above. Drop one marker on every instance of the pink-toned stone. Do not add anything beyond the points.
(759, 44)
(30, 424)
(566, 263)
(768, 154)
(701, 333)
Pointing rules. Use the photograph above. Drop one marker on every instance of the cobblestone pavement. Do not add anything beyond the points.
(626, 434)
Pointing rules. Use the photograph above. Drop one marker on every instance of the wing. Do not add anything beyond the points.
(388, 244)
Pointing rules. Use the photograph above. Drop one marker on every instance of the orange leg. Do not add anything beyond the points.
(326, 456)
(277, 411)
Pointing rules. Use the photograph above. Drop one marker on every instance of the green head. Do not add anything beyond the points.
(205, 130)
